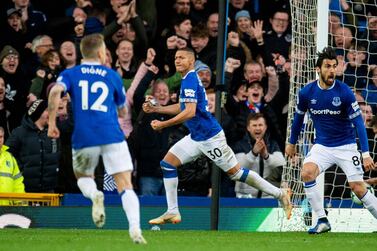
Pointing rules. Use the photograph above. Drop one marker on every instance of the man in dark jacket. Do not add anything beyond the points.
(16, 85)
(148, 146)
(260, 154)
(37, 155)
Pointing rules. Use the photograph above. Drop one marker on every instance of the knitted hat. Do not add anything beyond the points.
(8, 50)
(242, 13)
(12, 11)
(200, 66)
(36, 109)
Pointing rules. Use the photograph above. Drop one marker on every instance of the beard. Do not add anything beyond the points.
(329, 81)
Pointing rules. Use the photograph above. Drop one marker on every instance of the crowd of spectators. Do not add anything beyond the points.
(41, 38)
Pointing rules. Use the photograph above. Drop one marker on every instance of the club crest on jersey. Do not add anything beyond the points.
(189, 93)
(313, 101)
(336, 101)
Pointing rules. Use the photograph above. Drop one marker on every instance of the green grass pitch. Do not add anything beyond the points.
(100, 240)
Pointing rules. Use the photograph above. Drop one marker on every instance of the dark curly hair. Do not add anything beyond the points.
(327, 53)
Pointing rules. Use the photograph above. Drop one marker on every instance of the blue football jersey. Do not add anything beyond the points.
(96, 92)
(331, 111)
(203, 125)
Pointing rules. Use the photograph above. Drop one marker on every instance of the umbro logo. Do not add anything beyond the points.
(313, 101)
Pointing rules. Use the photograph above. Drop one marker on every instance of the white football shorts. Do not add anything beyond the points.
(347, 157)
(215, 148)
(116, 158)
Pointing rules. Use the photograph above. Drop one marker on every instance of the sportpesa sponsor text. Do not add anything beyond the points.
(325, 111)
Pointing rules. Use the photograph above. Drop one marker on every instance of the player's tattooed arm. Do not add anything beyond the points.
(53, 105)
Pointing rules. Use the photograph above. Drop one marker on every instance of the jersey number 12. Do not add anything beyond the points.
(96, 87)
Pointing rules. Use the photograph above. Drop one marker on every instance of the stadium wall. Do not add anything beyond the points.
(251, 215)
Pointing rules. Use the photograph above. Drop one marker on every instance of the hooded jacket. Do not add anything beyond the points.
(37, 156)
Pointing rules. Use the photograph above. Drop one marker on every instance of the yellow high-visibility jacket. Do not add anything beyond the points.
(11, 179)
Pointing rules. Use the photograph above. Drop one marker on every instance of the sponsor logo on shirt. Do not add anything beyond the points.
(355, 106)
(189, 93)
(324, 112)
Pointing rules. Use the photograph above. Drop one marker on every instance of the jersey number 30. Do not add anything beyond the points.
(96, 87)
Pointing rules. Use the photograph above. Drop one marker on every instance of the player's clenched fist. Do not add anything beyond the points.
(157, 125)
(53, 132)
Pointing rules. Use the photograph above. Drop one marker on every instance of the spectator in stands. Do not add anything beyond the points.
(46, 74)
(367, 114)
(39, 46)
(173, 38)
(261, 154)
(126, 65)
(199, 39)
(11, 178)
(68, 54)
(182, 7)
(131, 28)
(136, 33)
(204, 73)
(147, 145)
(277, 41)
(237, 90)
(34, 20)
(371, 36)
(256, 103)
(244, 28)
(370, 93)
(356, 70)
(42, 44)
(36, 154)
(16, 33)
(237, 49)
(16, 85)
(253, 71)
(334, 24)
(199, 11)
(182, 28)
(236, 6)
(119, 35)
(343, 40)
(213, 28)
(151, 146)
(4, 112)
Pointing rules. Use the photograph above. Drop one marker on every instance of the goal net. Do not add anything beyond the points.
(349, 34)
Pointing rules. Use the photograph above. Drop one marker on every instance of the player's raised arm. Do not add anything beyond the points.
(53, 105)
(149, 107)
(186, 114)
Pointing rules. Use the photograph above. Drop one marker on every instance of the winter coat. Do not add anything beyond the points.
(37, 156)
(11, 180)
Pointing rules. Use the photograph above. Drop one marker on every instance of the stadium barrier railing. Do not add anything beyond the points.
(30, 199)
